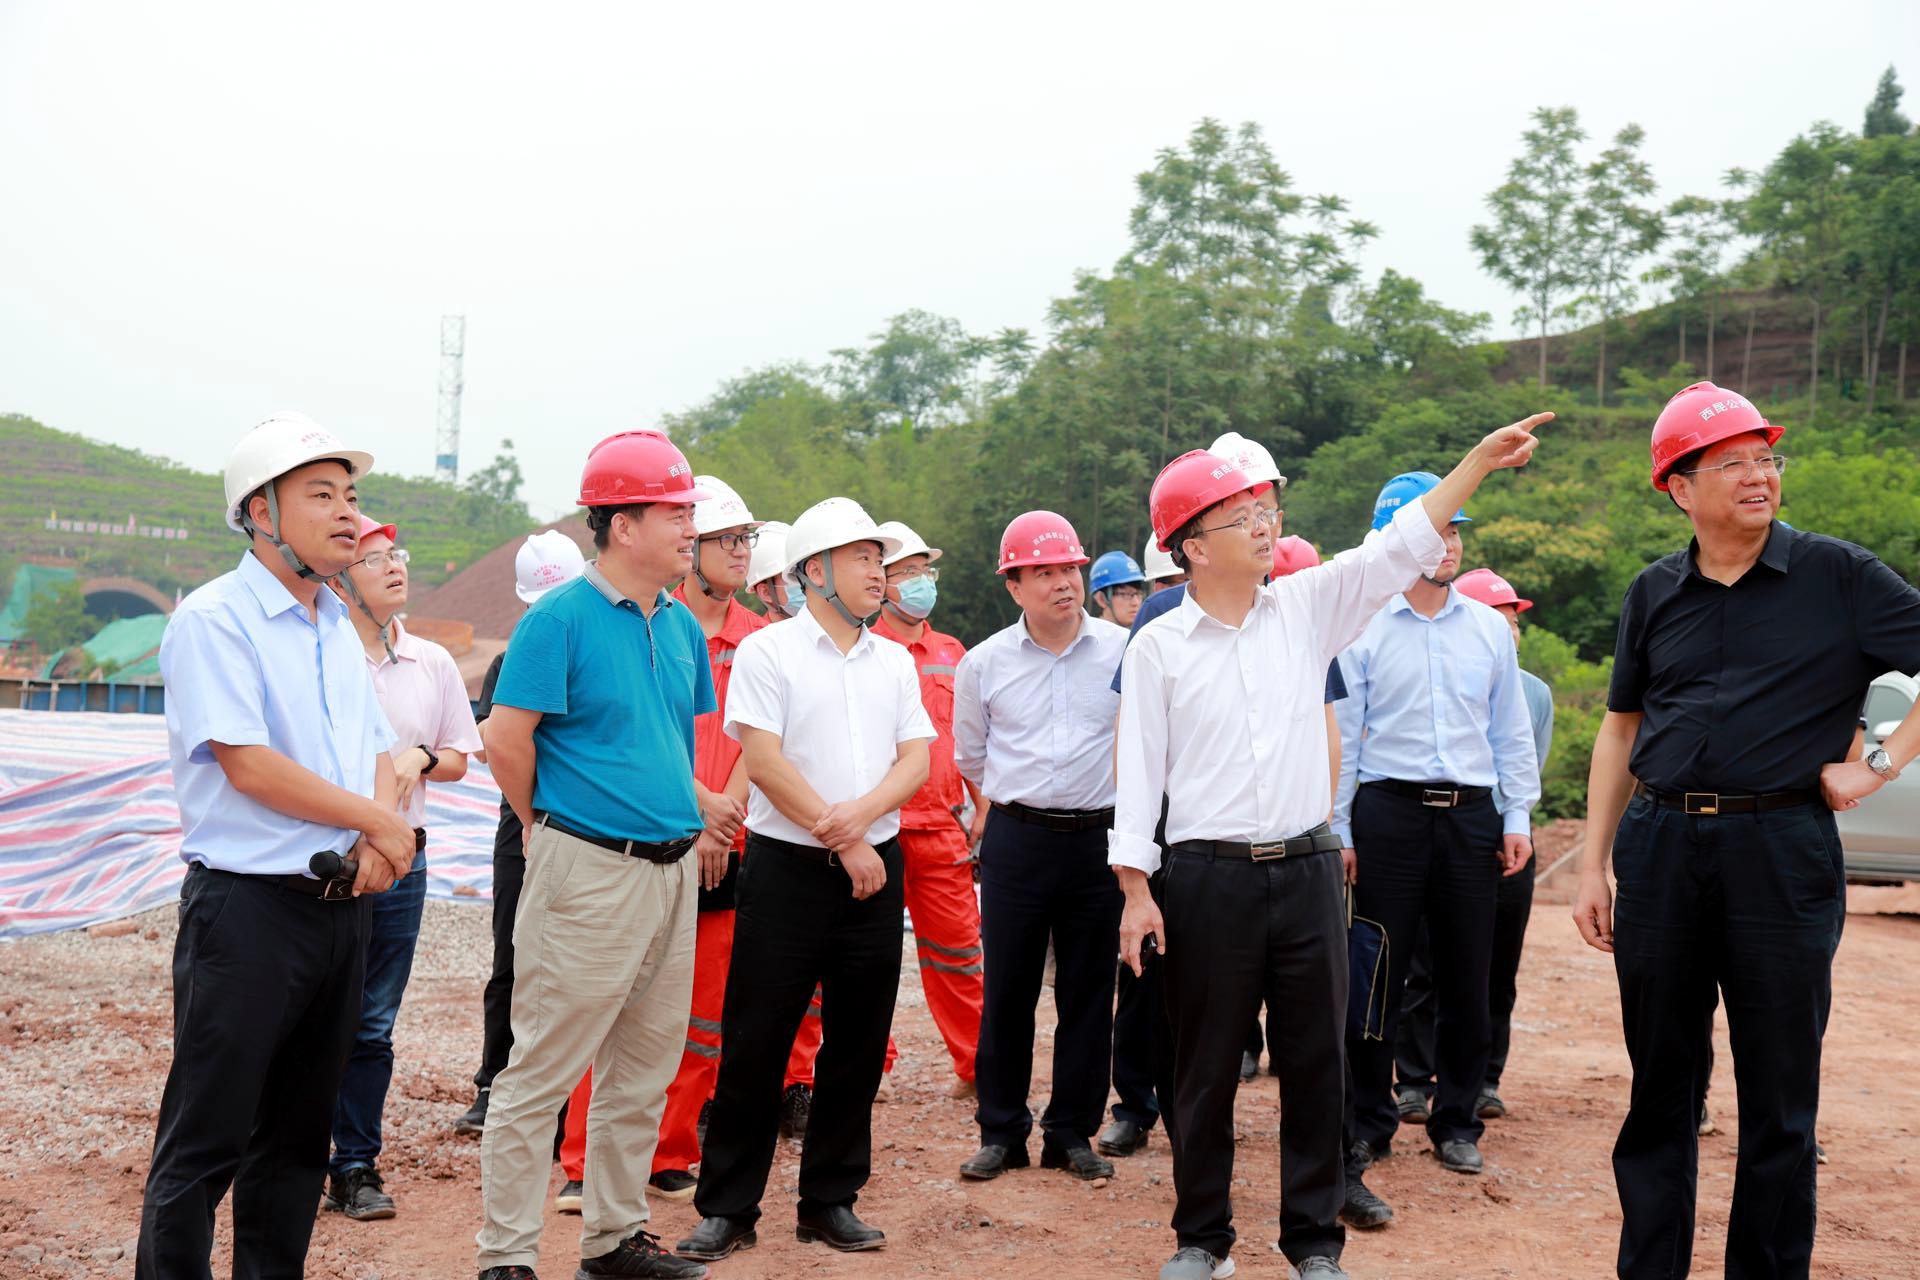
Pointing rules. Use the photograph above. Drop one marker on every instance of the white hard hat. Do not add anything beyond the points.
(1155, 563)
(544, 561)
(1250, 456)
(911, 543)
(722, 508)
(283, 443)
(835, 522)
(769, 559)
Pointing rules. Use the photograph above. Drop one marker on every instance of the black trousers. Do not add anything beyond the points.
(266, 1000)
(1752, 904)
(1441, 866)
(798, 925)
(1413, 1047)
(1143, 1046)
(1239, 932)
(496, 1001)
(1035, 883)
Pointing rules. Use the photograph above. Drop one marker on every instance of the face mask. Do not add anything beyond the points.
(917, 596)
(796, 598)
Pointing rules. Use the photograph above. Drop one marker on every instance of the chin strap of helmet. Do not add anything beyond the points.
(831, 594)
(706, 588)
(345, 579)
(287, 553)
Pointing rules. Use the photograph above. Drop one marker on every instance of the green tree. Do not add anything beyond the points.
(1533, 243)
(1882, 257)
(916, 370)
(57, 619)
(1699, 230)
(1797, 208)
(1617, 229)
(1883, 113)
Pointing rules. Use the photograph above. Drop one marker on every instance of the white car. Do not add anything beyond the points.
(1881, 839)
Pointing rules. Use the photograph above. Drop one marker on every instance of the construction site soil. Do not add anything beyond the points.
(84, 1027)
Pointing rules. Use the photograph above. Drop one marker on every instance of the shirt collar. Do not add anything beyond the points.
(613, 595)
(406, 646)
(273, 595)
(1191, 614)
(883, 626)
(817, 634)
(736, 624)
(1026, 636)
(1399, 604)
(1775, 555)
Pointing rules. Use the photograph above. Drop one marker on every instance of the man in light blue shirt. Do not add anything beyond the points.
(1434, 719)
(1413, 1048)
(280, 764)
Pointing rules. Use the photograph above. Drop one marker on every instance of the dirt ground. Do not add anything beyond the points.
(84, 1024)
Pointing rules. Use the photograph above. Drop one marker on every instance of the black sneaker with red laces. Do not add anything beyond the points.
(640, 1254)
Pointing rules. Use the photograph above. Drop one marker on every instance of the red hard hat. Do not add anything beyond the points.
(1037, 538)
(1489, 588)
(1189, 485)
(369, 526)
(637, 466)
(1292, 554)
(1698, 416)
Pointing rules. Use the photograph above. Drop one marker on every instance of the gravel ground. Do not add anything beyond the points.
(84, 1022)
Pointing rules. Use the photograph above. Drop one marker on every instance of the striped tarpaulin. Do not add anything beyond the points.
(90, 831)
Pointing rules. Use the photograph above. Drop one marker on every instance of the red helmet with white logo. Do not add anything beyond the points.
(1037, 538)
(637, 466)
(1698, 416)
(1489, 588)
(1291, 554)
(1189, 485)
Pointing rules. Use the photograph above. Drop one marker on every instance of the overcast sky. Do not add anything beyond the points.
(208, 212)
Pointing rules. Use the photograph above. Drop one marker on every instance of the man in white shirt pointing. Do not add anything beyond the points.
(1223, 715)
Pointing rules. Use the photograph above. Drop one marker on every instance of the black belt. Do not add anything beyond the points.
(1057, 819)
(1712, 803)
(1319, 840)
(337, 889)
(1435, 795)
(811, 852)
(419, 839)
(662, 851)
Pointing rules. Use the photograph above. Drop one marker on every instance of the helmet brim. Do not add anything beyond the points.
(359, 463)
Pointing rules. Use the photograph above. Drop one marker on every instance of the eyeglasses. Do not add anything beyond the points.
(1738, 471)
(1125, 593)
(1258, 516)
(928, 572)
(733, 541)
(378, 560)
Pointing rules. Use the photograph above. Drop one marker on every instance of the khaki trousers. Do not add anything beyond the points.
(602, 976)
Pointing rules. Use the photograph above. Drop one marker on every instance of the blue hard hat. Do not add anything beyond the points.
(1408, 486)
(1116, 568)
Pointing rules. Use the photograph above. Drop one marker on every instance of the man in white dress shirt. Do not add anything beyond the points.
(1033, 729)
(835, 740)
(1223, 715)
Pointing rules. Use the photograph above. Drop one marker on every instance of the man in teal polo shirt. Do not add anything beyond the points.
(591, 741)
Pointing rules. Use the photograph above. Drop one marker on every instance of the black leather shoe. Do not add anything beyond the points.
(1458, 1155)
(992, 1160)
(796, 1106)
(1079, 1161)
(715, 1238)
(1413, 1105)
(1363, 1155)
(357, 1193)
(640, 1254)
(1490, 1107)
(1121, 1138)
(474, 1121)
(1363, 1209)
(838, 1228)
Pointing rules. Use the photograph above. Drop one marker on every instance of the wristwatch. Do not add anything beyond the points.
(433, 761)
(1882, 763)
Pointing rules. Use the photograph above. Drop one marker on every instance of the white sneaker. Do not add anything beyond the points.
(1316, 1268)
(1195, 1263)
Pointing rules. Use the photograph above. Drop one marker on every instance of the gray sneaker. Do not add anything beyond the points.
(1316, 1268)
(1194, 1263)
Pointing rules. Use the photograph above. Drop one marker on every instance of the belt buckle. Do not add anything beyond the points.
(1701, 802)
(1267, 852)
(1439, 798)
(338, 889)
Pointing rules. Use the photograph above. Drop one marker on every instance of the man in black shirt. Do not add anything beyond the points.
(1738, 675)
(545, 560)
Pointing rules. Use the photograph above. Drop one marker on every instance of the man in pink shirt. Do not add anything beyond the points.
(420, 689)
